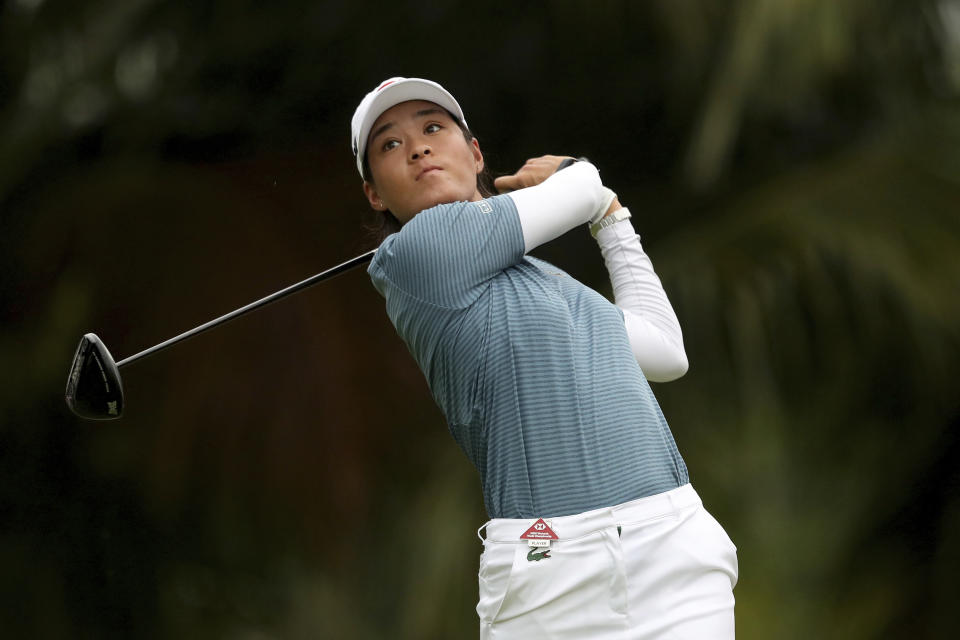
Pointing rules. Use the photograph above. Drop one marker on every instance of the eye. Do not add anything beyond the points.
(390, 144)
(433, 127)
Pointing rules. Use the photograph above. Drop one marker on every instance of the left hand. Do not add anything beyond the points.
(535, 171)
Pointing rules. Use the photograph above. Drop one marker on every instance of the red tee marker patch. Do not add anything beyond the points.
(539, 534)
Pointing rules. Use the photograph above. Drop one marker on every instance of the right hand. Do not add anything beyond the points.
(535, 171)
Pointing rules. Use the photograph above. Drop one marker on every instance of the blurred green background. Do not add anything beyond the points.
(794, 170)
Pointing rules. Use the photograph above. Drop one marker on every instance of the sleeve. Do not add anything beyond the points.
(568, 198)
(446, 254)
(652, 325)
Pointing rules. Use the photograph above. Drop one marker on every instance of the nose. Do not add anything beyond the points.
(419, 151)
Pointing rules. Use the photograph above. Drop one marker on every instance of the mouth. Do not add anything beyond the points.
(428, 169)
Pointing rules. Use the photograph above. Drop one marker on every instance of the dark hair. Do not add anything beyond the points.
(386, 223)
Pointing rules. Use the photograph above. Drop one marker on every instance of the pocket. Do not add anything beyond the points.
(725, 549)
(496, 569)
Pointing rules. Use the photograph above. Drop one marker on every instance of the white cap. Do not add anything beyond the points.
(390, 93)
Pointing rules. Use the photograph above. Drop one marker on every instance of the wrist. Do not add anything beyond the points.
(614, 206)
(612, 217)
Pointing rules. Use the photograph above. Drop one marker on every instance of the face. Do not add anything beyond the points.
(419, 158)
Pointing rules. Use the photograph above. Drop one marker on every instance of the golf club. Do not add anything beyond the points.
(94, 389)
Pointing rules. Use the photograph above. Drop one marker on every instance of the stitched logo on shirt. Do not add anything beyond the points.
(484, 206)
(536, 555)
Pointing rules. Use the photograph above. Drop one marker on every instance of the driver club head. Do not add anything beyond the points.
(94, 390)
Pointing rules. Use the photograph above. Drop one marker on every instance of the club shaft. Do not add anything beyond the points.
(273, 297)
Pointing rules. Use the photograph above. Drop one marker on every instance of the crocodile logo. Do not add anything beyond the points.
(536, 555)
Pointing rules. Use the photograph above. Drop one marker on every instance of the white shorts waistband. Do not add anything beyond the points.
(575, 526)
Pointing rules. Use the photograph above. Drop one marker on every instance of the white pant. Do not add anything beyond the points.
(657, 567)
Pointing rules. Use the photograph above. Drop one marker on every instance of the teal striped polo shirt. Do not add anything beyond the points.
(531, 368)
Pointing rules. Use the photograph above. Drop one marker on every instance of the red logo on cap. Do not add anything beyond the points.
(539, 531)
(388, 82)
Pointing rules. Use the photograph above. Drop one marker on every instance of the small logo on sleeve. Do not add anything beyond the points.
(485, 207)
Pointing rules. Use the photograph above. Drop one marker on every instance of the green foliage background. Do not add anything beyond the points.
(793, 167)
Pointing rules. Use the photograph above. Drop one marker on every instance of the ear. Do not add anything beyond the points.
(373, 197)
(477, 154)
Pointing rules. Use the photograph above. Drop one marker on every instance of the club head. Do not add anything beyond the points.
(94, 390)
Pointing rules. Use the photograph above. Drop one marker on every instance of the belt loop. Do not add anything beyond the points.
(482, 527)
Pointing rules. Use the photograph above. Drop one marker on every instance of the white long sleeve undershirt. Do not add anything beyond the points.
(652, 325)
(570, 198)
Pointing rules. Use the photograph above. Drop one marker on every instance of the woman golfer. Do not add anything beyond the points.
(595, 530)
